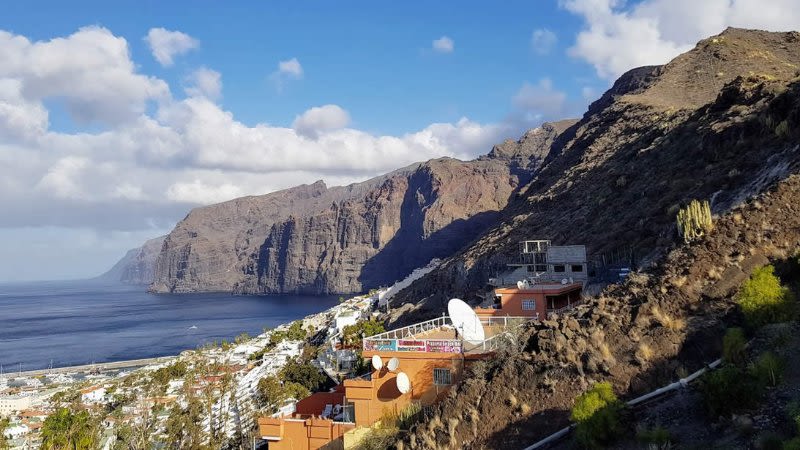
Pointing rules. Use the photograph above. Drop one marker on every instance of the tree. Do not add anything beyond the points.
(66, 429)
(273, 392)
(4, 423)
(352, 334)
(303, 374)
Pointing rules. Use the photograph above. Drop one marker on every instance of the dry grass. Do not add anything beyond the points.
(644, 352)
(667, 321)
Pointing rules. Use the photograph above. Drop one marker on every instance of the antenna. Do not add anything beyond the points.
(377, 362)
(403, 383)
(393, 364)
(466, 321)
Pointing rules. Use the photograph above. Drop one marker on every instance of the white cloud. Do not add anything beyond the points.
(319, 119)
(166, 44)
(199, 192)
(618, 37)
(443, 45)
(541, 101)
(291, 69)
(89, 71)
(204, 82)
(543, 41)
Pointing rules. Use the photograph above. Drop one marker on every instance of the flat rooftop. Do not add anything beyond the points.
(542, 288)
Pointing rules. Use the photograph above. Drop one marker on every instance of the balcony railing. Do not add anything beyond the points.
(405, 339)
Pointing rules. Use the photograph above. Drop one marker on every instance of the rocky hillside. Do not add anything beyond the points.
(315, 239)
(718, 122)
(137, 266)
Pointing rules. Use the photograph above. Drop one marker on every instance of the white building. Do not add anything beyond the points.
(346, 318)
(94, 394)
(10, 404)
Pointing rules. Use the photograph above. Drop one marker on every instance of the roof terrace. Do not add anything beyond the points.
(439, 335)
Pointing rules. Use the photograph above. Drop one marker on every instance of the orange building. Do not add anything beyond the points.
(431, 354)
(534, 301)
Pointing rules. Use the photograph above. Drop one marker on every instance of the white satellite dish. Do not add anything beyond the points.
(403, 383)
(520, 285)
(466, 321)
(393, 364)
(564, 281)
(377, 362)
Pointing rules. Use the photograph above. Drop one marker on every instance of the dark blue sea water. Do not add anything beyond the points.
(79, 322)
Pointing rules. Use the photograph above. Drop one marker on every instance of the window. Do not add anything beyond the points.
(531, 268)
(529, 305)
(442, 377)
(577, 268)
(558, 268)
(541, 267)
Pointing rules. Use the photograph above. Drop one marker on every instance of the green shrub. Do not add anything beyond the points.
(793, 412)
(694, 221)
(351, 335)
(763, 300)
(792, 444)
(733, 346)
(728, 390)
(768, 369)
(657, 437)
(597, 414)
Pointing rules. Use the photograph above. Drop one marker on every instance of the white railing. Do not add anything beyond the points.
(550, 312)
(405, 340)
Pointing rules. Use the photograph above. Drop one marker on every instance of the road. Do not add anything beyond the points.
(90, 367)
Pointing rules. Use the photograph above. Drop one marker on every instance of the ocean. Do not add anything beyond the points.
(73, 323)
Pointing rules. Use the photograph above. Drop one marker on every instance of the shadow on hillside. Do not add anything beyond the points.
(409, 248)
(699, 348)
(629, 199)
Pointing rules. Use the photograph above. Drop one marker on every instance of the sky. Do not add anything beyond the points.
(118, 118)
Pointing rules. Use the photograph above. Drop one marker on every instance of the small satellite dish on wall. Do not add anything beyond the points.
(393, 364)
(403, 383)
(466, 321)
(520, 285)
(377, 362)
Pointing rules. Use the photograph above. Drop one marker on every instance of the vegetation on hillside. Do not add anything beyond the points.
(764, 300)
(66, 429)
(352, 335)
(694, 220)
(597, 414)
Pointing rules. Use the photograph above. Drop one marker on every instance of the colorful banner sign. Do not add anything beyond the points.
(385, 345)
(411, 345)
(444, 346)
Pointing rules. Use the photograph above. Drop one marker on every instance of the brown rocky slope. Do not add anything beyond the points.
(718, 122)
(315, 239)
(656, 140)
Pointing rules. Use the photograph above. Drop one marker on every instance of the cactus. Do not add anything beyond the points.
(694, 221)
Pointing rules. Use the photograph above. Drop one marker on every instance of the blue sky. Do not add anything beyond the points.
(117, 118)
(373, 59)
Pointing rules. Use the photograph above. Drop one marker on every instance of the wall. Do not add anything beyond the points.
(376, 398)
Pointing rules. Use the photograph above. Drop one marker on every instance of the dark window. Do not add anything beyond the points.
(531, 269)
(577, 268)
(541, 267)
(558, 268)
(441, 377)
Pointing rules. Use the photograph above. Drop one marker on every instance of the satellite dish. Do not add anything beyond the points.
(403, 383)
(393, 364)
(520, 285)
(466, 321)
(377, 362)
(525, 284)
(564, 281)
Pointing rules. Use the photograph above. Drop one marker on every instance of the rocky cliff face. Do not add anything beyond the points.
(315, 239)
(717, 123)
(137, 266)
